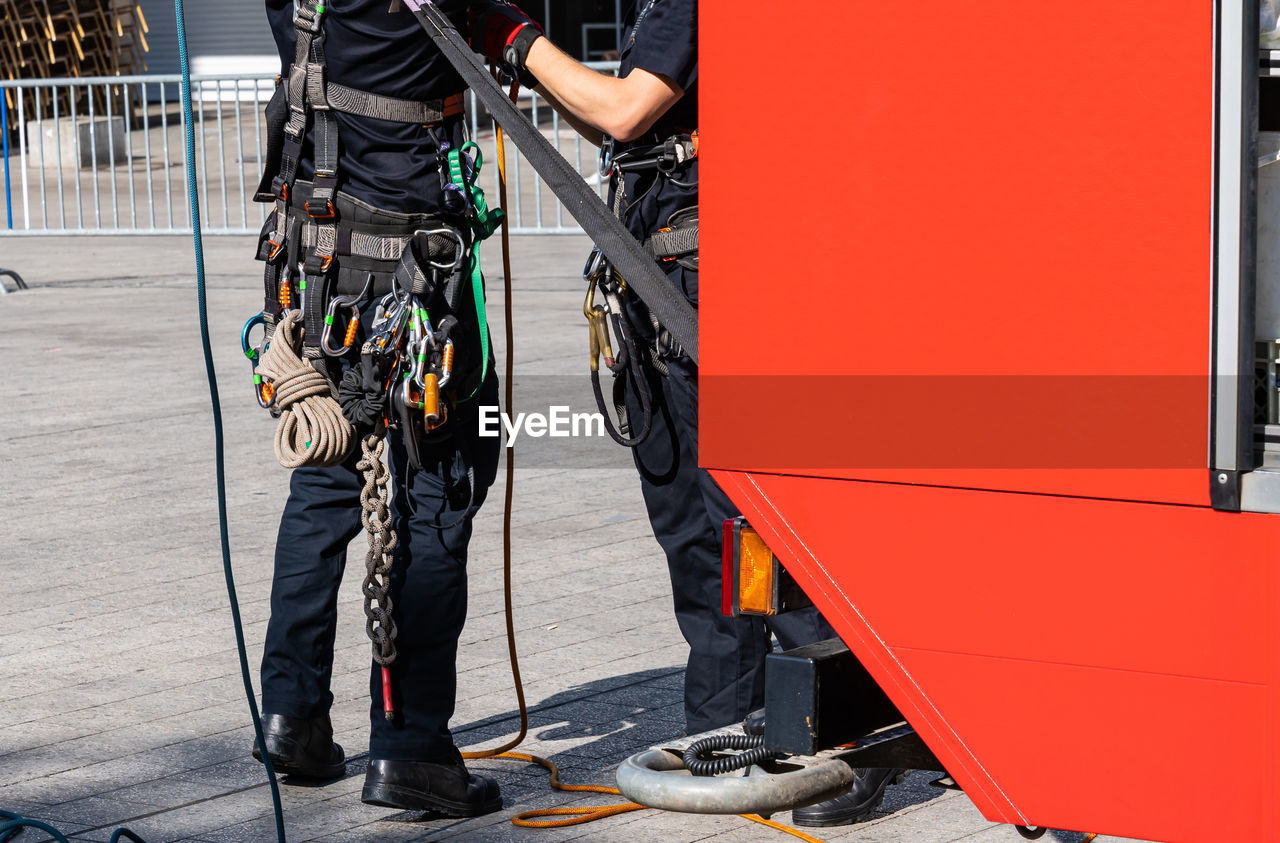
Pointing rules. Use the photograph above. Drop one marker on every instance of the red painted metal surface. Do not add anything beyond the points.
(996, 228)
(955, 368)
(1075, 663)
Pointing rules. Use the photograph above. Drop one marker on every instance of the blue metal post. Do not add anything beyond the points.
(4, 130)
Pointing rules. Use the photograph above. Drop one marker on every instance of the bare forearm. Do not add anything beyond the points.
(591, 133)
(622, 108)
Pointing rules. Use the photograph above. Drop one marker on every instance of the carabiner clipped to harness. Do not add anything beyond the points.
(627, 363)
(604, 164)
(352, 305)
(421, 341)
(263, 390)
(389, 323)
(459, 254)
(462, 166)
(598, 329)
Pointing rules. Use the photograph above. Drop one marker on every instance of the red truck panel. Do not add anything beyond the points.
(1082, 664)
(956, 345)
(918, 202)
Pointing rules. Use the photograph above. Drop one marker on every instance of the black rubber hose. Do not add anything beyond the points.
(754, 754)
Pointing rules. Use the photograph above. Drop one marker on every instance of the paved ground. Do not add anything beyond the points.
(120, 696)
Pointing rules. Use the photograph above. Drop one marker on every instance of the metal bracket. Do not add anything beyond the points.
(1224, 489)
(820, 696)
(893, 746)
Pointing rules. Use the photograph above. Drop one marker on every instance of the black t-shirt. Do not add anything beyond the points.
(368, 47)
(661, 36)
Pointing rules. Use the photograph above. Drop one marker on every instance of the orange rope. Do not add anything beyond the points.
(786, 829)
(577, 816)
(572, 816)
(510, 464)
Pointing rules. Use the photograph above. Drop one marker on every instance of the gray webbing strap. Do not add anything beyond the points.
(366, 104)
(308, 75)
(672, 244)
(382, 247)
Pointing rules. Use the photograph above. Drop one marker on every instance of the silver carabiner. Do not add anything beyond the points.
(421, 340)
(405, 396)
(302, 287)
(351, 303)
(595, 263)
(389, 325)
(604, 163)
(457, 255)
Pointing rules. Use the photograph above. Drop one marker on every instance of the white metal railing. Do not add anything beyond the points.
(105, 155)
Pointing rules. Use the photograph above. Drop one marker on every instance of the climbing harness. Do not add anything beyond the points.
(600, 276)
(677, 242)
(328, 259)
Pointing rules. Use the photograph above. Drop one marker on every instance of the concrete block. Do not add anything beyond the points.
(101, 140)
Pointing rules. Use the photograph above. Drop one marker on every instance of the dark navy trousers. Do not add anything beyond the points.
(724, 679)
(428, 585)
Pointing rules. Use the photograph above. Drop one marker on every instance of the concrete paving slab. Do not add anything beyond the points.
(120, 692)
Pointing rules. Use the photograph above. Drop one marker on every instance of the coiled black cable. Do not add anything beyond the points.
(754, 754)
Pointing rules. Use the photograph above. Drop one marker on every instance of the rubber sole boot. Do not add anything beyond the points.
(302, 748)
(855, 806)
(442, 787)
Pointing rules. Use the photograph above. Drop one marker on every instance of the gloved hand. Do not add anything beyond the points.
(504, 33)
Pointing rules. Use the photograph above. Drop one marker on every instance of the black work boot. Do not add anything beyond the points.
(444, 787)
(856, 805)
(302, 748)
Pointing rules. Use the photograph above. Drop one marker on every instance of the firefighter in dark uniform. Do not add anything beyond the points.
(654, 99)
(389, 180)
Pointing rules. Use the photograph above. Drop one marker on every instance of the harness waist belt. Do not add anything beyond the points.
(379, 107)
(363, 231)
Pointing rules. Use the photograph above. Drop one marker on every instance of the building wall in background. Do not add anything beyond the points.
(216, 32)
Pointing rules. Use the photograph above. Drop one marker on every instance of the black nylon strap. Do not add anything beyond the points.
(618, 245)
(277, 112)
(314, 300)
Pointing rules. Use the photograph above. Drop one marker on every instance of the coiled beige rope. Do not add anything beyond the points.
(312, 429)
